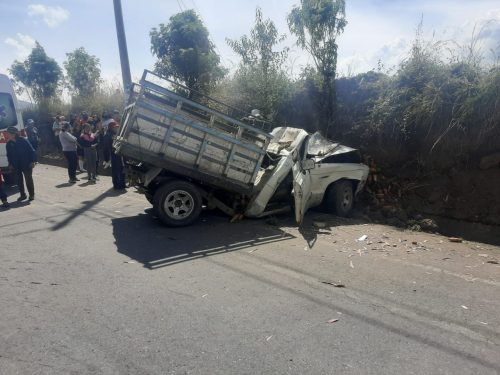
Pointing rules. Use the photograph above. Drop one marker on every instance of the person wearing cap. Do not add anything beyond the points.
(32, 133)
(117, 174)
(69, 145)
(22, 158)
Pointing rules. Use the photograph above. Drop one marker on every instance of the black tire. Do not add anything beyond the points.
(340, 198)
(177, 203)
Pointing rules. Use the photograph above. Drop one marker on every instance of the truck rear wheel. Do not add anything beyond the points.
(340, 198)
(177, 203)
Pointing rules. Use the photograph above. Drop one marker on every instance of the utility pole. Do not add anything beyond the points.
(122, 46)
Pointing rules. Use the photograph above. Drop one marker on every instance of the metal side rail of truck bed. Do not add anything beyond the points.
(183, 136)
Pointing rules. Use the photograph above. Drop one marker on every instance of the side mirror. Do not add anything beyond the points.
(307, 164)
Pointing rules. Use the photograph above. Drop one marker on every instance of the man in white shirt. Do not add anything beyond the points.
(68, 143)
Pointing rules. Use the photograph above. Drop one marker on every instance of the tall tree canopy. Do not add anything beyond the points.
(317, 24)
(83, 72)
(260, 78)
(39, 74)
(185, 52)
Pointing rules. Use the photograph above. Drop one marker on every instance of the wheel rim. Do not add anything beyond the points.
(347, 199)
(179, 204)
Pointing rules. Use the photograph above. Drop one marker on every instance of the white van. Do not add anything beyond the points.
(10, 115)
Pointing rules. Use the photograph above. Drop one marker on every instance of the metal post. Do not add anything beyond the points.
(122, 46)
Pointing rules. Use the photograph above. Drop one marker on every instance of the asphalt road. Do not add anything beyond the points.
(91, 283)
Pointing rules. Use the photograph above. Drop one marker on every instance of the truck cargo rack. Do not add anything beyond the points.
(198, 139)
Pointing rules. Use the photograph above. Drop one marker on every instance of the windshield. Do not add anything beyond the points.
(319, 145)
(8, 115)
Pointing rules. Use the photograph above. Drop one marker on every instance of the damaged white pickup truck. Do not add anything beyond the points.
(186, 155)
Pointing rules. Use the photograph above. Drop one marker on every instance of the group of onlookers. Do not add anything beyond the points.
(86, 142)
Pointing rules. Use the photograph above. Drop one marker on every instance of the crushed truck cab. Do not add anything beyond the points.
(186, 155)
(316, 166)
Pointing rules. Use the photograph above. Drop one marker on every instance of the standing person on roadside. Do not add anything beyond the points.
(88, 141)
(77, 132)
(96, 126)
(117, 117)
(106, 119)
(118, 177)
(3, 195)
(32, 133)
(84, 118)
(56, 129)
(22, 158)
(69, 145)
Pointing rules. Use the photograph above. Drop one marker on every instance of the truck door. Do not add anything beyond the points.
(302, 187)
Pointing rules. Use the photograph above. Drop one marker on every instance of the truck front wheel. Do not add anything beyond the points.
(177, 203)
(340, 198)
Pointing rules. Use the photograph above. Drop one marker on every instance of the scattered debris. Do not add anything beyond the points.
(333, 321)
(333, 284)
(483, 255)
(455, 239)
(130, 261)
(351, 265)
(484, 323)
(362, 238)
(269, 338)
(414, 243)
(465, 307)
(203, 296)
(492, 262)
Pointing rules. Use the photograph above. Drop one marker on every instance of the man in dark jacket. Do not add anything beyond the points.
(117, 174)
(22, 158)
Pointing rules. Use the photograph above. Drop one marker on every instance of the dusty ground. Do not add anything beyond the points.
(90, 282)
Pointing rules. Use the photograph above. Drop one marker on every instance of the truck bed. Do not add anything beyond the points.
(165, 129)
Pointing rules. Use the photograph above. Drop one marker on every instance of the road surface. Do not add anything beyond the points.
(91, 283)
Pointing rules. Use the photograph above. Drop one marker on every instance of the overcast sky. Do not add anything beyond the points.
(376, 30)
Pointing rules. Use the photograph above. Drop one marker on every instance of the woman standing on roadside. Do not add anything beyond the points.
(88, 141)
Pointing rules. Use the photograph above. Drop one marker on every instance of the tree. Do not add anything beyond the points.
(317, 24)
(185, 52)
(83, 72)
(260, 77)
(39, 74)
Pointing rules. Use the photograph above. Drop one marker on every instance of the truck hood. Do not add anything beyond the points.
(318, 147)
